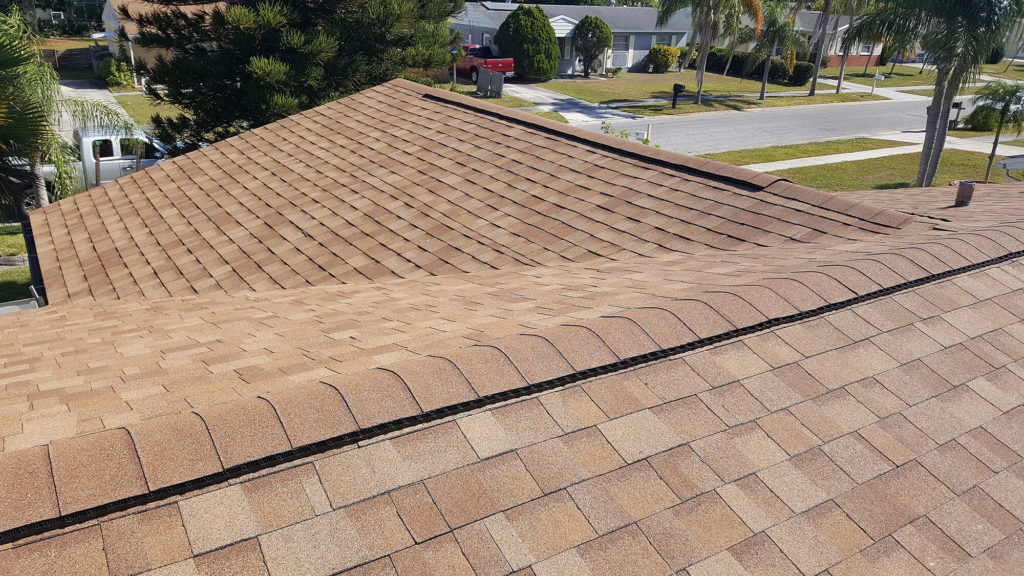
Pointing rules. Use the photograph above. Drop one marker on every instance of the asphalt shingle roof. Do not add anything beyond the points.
(841, 392)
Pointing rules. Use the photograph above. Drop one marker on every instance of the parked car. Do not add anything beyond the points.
(482, 58)
(116, 151)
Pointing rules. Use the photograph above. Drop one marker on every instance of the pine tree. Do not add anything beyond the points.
(591, 38)
(233, 66)
(526, 36)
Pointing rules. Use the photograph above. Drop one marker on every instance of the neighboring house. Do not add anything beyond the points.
(112, 24)
(865, 54)
(412, 333)
(634, 30)
(806, 21)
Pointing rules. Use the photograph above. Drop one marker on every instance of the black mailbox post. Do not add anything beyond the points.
(676, 90)
(957, 105)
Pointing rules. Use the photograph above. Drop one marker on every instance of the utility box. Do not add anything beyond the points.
(489, 83)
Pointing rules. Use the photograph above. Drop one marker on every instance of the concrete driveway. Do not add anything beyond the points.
(574, 110)
(85, 90)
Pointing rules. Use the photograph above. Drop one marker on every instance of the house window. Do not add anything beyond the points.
(866, 49)
(663, 40)
(469, 38)
(564, 46)
(486, 40)
(620, 43)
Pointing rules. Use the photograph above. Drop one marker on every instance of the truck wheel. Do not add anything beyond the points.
(473, 75)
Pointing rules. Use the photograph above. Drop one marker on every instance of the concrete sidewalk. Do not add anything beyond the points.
(889, 93)
(574, 110)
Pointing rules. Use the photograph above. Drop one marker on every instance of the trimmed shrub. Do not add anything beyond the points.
(997, 55)
(982, 119)
(717, 58)
(527, 36)
(685, 50)
(661, 58)
(802, 73)
(591, 38)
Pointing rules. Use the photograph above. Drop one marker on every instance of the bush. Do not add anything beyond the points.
(716, 59)
(886, 54)
(686, 50)
(527, 36)
(802, 73)
(115, 72)
(982, 119)
(997, 55)
(591, 38)
(661, 58)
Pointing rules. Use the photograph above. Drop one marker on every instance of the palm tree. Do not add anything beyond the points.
(777, 34)
(851, 9)
(1008, 99)
(709, 17)
(959, 36)
(741, 35)
(820, 33)
(33, 110)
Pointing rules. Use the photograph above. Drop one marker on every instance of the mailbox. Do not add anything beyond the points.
(676, 89)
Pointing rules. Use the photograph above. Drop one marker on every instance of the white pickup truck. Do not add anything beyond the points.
(117, 153)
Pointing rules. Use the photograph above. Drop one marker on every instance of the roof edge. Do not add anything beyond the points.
(704, 167)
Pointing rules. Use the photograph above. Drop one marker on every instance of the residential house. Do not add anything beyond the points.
(634, 30)
(112, 25)
(409, 332)
(863, 54)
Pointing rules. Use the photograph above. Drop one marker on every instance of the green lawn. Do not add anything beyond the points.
(640, 86)
(505, 100)
(808, 150)
(141, 109)
(890, 172)
(11, 241)
(1016, 71)
(65, 43)
(964, 133)
(745, 103)
(14, 283)
(552, 115)
(902, 76)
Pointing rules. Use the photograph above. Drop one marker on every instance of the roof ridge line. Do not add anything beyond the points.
(706, 167)
(429, 416)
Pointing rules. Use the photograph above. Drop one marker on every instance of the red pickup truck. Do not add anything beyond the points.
(479, 58)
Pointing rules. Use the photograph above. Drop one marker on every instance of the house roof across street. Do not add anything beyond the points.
(618, 18)
(409, 332)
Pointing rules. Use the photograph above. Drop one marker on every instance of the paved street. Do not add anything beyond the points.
(734, 130)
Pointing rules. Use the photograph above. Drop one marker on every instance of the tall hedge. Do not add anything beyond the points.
(527, 36)
(591, 38)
